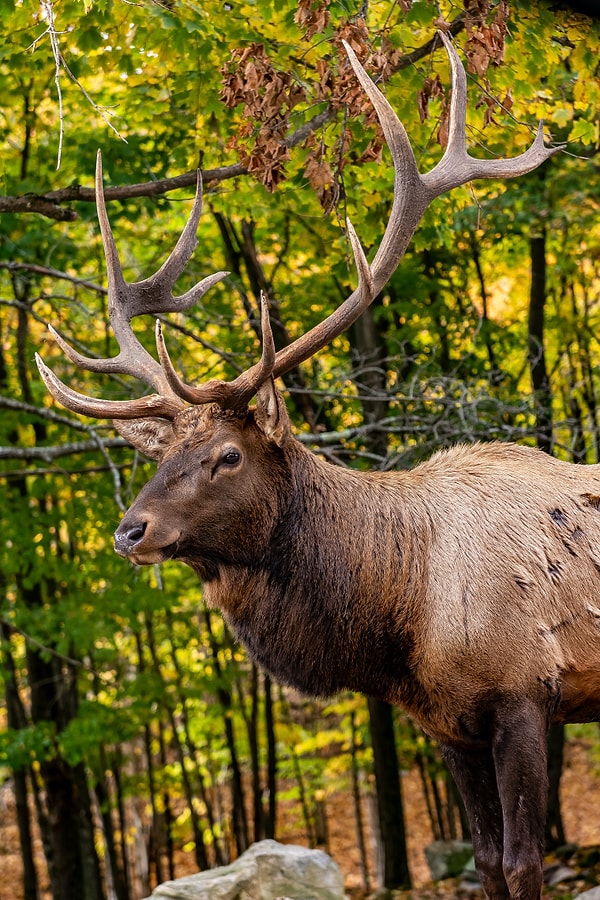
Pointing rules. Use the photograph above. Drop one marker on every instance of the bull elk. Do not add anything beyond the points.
(466, 590)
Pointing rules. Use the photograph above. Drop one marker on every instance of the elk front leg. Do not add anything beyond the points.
(520, 757)
(475, 776)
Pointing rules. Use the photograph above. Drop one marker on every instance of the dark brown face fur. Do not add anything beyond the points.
(214, 498)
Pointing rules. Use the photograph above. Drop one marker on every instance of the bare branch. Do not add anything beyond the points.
(53, 273)
(49, 414)
(48, 454)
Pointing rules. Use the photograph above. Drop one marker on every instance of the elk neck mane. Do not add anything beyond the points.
(305, 609)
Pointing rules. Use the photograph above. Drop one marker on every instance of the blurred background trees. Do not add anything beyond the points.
(138, 739)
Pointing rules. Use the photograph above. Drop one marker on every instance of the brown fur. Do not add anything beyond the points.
(466, 590)
(397, 584)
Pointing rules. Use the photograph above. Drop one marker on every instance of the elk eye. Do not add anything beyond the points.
(232, 457)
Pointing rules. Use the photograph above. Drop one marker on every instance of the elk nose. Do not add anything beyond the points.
(127, 537)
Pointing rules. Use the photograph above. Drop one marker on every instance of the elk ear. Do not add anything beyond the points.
(151, 437)
(271, 414)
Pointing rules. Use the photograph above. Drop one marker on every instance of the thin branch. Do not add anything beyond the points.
(36, 471)
(103, 445)
(106, 678)
(48, 11)
(102, 111)
(53, 273)
(60, 65)
(46, 412)
(48, 454)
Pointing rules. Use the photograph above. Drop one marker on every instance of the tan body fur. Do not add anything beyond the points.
(514, 576)
(499, 559)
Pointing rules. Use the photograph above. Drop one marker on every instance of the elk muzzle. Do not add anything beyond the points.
(144, 540)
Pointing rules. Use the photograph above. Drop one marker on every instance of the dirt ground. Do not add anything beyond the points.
(580, 788)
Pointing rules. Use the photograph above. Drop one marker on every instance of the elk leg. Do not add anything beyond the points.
(519, 749)
(475, 776)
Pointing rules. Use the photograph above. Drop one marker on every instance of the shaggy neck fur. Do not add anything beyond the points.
(331, 610)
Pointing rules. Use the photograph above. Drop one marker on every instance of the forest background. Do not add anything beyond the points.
(136, 738)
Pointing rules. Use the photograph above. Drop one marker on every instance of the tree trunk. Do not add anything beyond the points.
(537, 358)
(271, 759)
(543, 397)
(369, 363)
(396, 874)
(73, 862)
(495, 374)
(241, 253)
(358, 815)
(555, 833)
(102, 791)
(308, 824)
(16, 720)
(65, 816)
(240, 819)
(257, 789)
(188, 789)
(369, 359)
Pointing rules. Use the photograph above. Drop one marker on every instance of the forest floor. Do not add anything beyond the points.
(580, 800)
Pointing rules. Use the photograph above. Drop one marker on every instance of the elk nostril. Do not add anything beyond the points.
(135, 533)
(127, 537)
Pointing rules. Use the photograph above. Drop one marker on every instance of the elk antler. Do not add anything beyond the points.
(233, 394)
(413, 193)
(125, 301)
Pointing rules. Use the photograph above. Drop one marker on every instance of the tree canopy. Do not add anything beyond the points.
(118, 685)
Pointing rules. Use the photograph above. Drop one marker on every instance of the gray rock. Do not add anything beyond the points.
(592, 894)
(266, 871)
(446, 859)
(558, 874)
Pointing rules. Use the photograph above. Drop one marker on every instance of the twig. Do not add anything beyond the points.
(47, 454)
(60, 65)
(48, 11)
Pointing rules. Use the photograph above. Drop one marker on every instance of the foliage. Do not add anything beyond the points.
(149, 694)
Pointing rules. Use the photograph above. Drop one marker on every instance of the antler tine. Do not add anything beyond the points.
(236, 394)
(123, 305)
(233, 394)
(350, 310)
(152, 405)
(409, 204)
(151, 295)
(245, 385)
(456, 166)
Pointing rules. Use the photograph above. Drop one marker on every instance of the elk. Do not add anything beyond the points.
(465, 590)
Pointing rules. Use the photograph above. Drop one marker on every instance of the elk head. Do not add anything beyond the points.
(219, 489)
(215, 493)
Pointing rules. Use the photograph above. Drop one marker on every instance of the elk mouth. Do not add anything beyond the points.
(150, 556)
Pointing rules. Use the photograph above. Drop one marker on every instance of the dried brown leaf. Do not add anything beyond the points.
(314, 18)
(432, 88)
